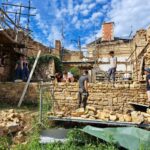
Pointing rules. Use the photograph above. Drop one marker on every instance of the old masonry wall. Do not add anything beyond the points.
(101, 95)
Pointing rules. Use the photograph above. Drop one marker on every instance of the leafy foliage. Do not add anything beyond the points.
(4, 143)
(75, 71)
(44, 59)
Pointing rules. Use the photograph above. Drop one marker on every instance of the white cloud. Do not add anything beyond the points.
(91, 6)
(71, 47)
(105, 7)
(83, 6)
(78, 24)
(127, 13)
(76, 8)
(23, 21)
(70, 6)
(93, 36)
(54, 34)
(86, 21)
(85, 12)
(40, 24)
(96, 15)
(60, 13)
(88, 1)
(101, 1)
(75, 19)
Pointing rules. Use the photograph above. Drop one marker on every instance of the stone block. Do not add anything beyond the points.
(127, 118)
(80, 111)
(148, 111)
(91, 108)
(91, 113)
(112, 117)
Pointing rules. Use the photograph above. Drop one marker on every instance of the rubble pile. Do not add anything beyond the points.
(106, 115)
(13, 124)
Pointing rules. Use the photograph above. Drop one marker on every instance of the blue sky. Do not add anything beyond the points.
(83, 18)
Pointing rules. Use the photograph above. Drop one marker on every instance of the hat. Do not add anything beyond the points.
(147, 69)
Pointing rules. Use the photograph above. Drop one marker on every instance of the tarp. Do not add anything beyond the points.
(131, 138)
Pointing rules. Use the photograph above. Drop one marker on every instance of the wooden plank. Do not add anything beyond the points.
(141, 69)
(28, 81)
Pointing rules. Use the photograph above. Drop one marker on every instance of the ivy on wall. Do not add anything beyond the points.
(45, 59)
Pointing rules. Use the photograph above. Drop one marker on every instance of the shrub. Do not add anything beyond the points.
(75, 71)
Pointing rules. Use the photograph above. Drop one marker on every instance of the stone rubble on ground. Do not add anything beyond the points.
(106, 115)
(14, 124)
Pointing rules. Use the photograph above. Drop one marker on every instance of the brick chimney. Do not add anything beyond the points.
(57, 47)
(108, 31)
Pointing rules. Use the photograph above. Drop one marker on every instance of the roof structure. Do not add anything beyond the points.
(99, 41)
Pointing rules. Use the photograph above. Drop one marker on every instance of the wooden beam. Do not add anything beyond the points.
(28, 81)
(18, 5)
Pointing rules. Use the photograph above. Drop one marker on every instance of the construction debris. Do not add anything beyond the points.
(106, 115)
(14, 124)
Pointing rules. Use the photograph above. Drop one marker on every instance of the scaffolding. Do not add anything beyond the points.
(10, 26)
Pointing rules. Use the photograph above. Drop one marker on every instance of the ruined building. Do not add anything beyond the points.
(132, 54)
(16, 41)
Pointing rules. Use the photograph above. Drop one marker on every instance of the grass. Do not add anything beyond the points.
(76, 141)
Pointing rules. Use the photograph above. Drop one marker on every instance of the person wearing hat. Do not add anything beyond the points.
(113, 66)
(147, 73)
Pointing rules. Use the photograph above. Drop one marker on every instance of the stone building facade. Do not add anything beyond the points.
(132, 54)
(140, 53)
(99, 49)
(72, 56)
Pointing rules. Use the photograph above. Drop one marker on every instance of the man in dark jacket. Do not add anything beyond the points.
(83, 89)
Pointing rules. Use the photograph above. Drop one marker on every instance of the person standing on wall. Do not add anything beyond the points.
(25, 69)
(147, 73)
(83, 89)
(19, 69)
(113, 66)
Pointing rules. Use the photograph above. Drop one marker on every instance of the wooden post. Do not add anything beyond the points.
(28, 81)
(141, 69)
(136, 62)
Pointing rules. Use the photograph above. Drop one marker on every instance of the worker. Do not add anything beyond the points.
(65, 77)
(58, 77)
(19, 69)
(147, 73)
(70, 77)
(83, 89)
(25, 68)
(113, 66)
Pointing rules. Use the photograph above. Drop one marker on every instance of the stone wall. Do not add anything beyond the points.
(7, 71)
(72, 56)
(10, 93)
(101, 96)
(44, 71)
(141, 53)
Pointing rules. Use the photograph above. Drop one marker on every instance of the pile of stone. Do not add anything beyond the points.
(106, 115)
(14, 125)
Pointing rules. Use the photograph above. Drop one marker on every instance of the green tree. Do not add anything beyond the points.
(75, 71)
